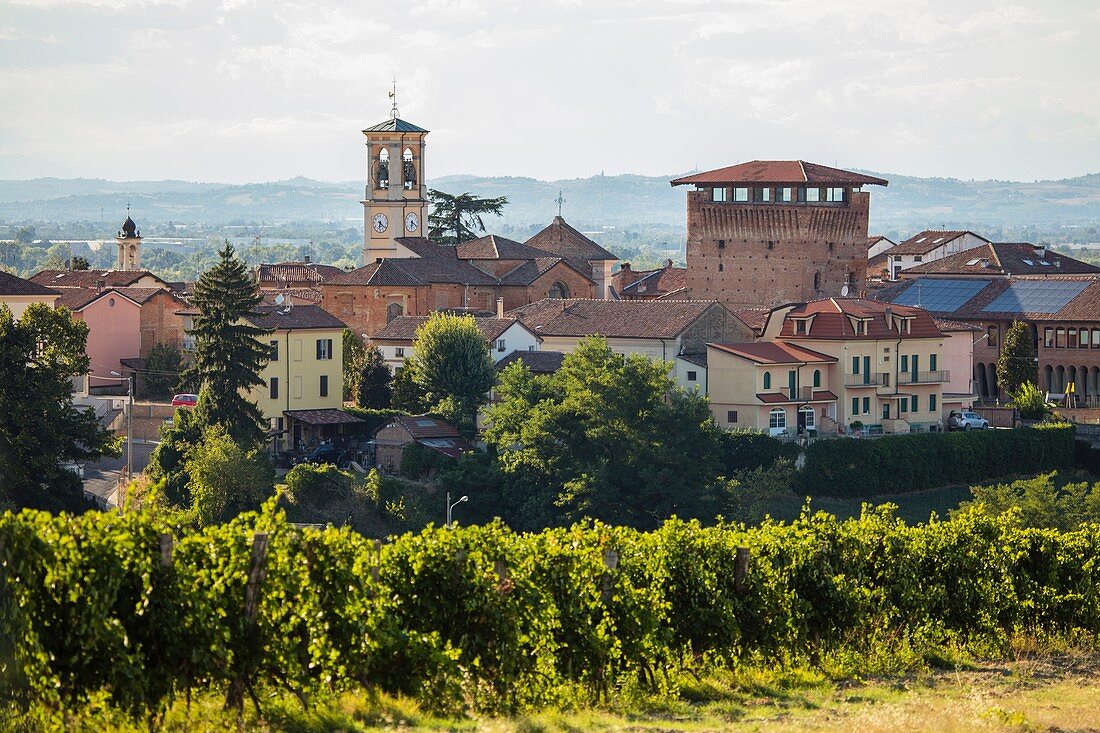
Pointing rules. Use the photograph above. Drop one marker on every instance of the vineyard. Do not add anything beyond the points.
(484, 620)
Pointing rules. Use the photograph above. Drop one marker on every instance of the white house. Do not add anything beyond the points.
(504, 335)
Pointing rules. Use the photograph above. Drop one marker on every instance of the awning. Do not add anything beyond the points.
(326, 416)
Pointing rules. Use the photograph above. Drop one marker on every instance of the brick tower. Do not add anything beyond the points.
(776, 231)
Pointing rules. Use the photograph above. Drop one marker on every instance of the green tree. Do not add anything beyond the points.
(40, 428)
(354, 351)
(228, 351)
(1017, 365)
(168, 460)
(373, 390)
(162, 371)
(606, 437)
(226, 479)
(1031, 402)
(452, 365)
(406, 394)
(456, 219)
(78, 263)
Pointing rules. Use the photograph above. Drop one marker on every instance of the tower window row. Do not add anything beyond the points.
(408, 170)
(779, 194)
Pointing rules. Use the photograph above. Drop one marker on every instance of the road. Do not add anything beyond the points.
(101, 478)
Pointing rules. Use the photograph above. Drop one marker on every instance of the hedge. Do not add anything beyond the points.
(486, 619)
(896, 464)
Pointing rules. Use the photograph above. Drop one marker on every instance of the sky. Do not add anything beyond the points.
(248, 91)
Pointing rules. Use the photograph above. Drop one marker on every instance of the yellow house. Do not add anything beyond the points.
(303, 388)
(885, 368)
(17, 293)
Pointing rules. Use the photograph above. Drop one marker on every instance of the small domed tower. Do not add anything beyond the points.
(129, 245)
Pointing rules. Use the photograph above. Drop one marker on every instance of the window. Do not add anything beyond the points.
(741, 194)
(719, 194)
(792, 379)
(885, 410)
(273, 388)
(692, 376)
(721, 244)
(274, 350)
(932, 362)
(500, 346)
(867, 405)
(931, 403)
(784, 194)
(855, 406)
(813, 195)
(324, 348)
(855, 365)
(1096, 338)
(817, 281)
(913, 405)
(1071, 338)
(761, 195)
(1084, 342)
(1060, 338)
(1048, 337)
(731, 416)
(904, 405)
(836, 195)
(918, 258)
(992, 333)
(394, 310)
(324, 385)
(777, 419)
(800, 326)
(905, 362)
(399, 352)
(767, 380)
(817, 377)
(721, 267)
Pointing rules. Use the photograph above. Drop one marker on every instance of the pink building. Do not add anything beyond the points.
(114, 326)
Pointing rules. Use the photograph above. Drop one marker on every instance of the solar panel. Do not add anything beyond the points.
(1036, 296)
(940, 296)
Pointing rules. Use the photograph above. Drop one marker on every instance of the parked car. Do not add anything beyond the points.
(966, 421)
(324, 454)
(185, 400)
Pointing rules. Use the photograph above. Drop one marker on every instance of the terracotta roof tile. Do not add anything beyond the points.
(779, 171)
(282, 272)
(653, 319)
(295, 296)
(539, 362)
(832, 320)
(91, 278)
(403, 328)
(656, 283)
(1005, 258)
(562, 240)
(422, 426)
(295, 317)
(493, 247)
(324, 416)
(928, 240)
(775, 352)
(15, 285)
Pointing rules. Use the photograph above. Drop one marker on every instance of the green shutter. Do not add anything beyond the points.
(855, 406)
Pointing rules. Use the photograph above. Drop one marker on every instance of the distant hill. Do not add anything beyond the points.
(908, 204)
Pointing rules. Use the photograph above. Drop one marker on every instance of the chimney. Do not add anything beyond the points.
(1040, 251)
(500, 307)
(668, 264)
(1058, 263)
(99, 285)
(625, 267)
(307, 259)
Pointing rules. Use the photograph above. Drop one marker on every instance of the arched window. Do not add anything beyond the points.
(767, 380)
(817, 281)
(777, 419)
(408, 169)
(807, 417)
(559, 290)
(394, 310)
(383, 170)
(817, 377)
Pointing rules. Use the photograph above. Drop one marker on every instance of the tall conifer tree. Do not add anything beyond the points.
(228, 351)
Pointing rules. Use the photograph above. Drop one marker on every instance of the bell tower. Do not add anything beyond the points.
(396, 195)
(129, 245)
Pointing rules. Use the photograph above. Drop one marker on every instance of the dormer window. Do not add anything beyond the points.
(800, 326)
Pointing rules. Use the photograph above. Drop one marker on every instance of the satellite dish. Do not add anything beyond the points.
(279, 299)
(844, 292)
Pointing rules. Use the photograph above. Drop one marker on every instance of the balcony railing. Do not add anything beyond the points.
(870, 379)
(802, 393)
(924, 377)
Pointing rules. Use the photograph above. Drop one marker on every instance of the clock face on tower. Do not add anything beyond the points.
(411, 223)
(381, 223)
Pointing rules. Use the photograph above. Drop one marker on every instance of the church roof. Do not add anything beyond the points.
(494, 247)
(394, 124)
(564, 241)
(129, 228)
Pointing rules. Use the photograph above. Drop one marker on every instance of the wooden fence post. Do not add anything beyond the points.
(256, 573)
(611, 562)
(741, 569)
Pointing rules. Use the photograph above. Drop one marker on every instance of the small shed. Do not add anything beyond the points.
(390, 439)
(309, 428)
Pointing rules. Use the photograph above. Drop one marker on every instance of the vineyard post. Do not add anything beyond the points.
(741, 569)
(235, 695)
(166, 550)
(611, 562)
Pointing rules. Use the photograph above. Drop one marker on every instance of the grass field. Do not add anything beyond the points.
(1055, 692)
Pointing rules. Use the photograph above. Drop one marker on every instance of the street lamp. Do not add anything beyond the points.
(451, 506)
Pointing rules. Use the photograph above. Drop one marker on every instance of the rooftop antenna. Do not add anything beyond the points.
(560, 200)
(393, 100)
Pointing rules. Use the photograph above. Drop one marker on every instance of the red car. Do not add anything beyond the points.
(185, 400)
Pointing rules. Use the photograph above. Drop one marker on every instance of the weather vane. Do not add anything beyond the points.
(560, 201)
(393, 100)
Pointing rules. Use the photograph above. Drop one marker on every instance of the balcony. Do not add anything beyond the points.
(802, 394)
(924, 377)
(870, 379)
